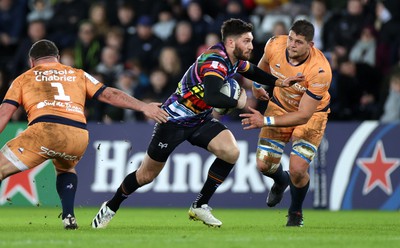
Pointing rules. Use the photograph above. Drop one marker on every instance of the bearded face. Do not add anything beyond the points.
(243, 47)
(240, 54)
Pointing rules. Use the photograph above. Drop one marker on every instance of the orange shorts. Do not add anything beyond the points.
(305, 138)
(63, 144)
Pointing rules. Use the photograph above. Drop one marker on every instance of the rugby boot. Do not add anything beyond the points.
(70, 223)
(295, 219)
(275, 195)
(204, 214)
(103, 217)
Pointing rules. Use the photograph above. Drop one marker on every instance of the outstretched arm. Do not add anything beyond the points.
(255, 119)
(120, 99)
(261, 77)
(256, 74)
(6, 111)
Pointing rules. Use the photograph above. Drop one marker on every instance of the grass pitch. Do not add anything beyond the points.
(251, 228)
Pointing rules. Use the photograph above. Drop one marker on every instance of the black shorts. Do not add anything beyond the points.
(167, 136)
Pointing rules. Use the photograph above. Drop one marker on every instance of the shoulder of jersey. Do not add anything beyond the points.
(277, 41)
(320, 58)
(216, 52)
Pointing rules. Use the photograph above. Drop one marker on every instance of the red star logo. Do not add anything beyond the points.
(24, 183)
(378, 170)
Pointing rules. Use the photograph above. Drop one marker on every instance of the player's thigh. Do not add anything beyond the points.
(70, 148)
(166, 137)
(216, 138)
(206, 132)
(225, 147)
(307, 137)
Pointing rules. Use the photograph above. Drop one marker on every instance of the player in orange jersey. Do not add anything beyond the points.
(53, 95)
(298, 113)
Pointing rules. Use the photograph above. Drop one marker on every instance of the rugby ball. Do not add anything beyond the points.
(230, 88)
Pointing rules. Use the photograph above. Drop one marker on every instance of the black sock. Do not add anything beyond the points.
(128, 186)
(66, 184)
(217, 173)
(280, 176)
(298, 196)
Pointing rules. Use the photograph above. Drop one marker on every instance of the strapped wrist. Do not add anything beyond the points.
(269, 121)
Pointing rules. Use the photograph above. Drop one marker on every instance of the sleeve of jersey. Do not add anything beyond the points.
(319, 85)
(14, 94)
(243, 66)
(93, 87)
(213, 96)
(213, 72)
(214, 66)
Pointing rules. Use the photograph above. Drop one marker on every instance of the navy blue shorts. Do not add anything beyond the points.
(167, 136)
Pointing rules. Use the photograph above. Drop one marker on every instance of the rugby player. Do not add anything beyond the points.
(298, 113)
(53, 96)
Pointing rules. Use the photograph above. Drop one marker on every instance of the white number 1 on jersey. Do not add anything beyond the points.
(61, 93)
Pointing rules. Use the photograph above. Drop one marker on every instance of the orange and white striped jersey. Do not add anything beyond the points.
(316, 69)
(53, 89)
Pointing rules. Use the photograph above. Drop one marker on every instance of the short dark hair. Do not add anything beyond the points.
(43, 48)
(305, 28)
(233, 27)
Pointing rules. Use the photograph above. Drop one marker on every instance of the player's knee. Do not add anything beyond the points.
(3, 173)
(266, 167)
(262, 166)
(235, 153)
(267, 162)
(145, 178)
(228, 153)
(269, 154)
(297, 174)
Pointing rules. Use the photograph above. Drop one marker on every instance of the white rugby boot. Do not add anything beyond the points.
(204, 214)
(103, 217)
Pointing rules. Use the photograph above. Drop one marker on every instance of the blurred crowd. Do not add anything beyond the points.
(143, 47)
